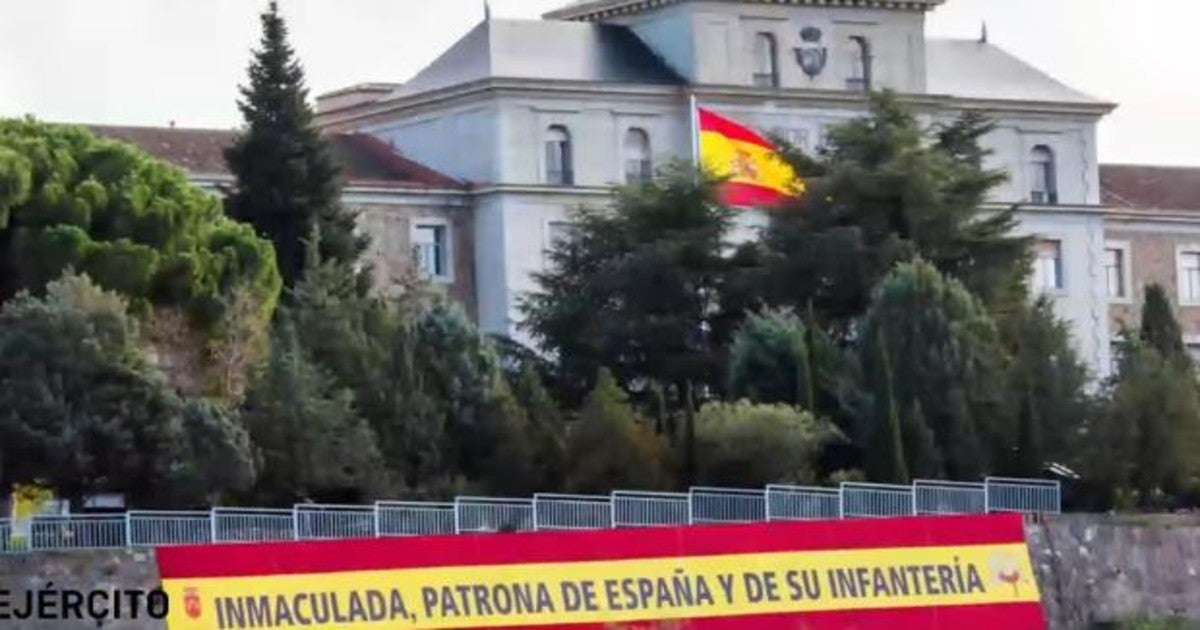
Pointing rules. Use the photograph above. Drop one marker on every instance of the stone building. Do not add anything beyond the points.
(470, 168)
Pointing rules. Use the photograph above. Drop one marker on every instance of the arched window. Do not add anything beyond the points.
(1043, 186)
(636, 149)
(859, 78)
(766, 61)
(559, 170)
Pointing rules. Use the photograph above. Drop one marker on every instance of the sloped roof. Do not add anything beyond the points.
(601, 9)
(550, 50)
(365, 160)
(1133, 187)
(974, 69)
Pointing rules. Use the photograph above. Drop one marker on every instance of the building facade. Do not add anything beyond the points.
(544, 115)
(470, 169)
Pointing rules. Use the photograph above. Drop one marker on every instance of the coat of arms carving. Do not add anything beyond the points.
(812, 55)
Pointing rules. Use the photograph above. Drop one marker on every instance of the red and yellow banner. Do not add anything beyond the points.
(921, 573)
(757, 175)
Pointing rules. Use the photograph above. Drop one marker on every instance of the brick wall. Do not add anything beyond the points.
(1152, 258)
(391, 250)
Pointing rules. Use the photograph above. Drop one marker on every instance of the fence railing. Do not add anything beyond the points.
(542, 512)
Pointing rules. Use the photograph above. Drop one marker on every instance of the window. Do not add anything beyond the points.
(431, 248)
(1114, 271)
(1048, 275)
(1189, 276)
(766, 69)
(796, 137)
(859, 77)
(1043, 184)
(636, 149)
(559, 170)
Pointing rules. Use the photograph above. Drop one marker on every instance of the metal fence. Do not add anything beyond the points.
(802, 503)
(631, 508)
(948, 497)
(876, 500)
(544, 512)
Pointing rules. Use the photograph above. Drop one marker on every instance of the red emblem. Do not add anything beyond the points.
(191, 603)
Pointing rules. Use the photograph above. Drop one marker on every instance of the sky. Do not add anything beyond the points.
(150, 62)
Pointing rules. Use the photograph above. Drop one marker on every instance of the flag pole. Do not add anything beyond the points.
(694, 119)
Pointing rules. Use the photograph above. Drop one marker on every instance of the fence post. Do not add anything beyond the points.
(691, 516)
(842, 501)
(375, 518)
(128, 530)
(913, 488)
(987, 497)
(295, 523)
(212, 521)
(457, 523)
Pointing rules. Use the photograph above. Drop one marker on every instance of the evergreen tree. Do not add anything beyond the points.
(1143, 450)
(637, 287)
(546, 427)
(952, 363)
(1047, 388)
(610, 448)
(1160, 330)
(315, 446)
(885, 191)
(287, 181)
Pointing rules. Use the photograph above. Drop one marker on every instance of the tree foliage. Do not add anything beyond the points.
(1160, 330)
(885, 191)
(1047, 389)
(1142, 452)
(636, 287)
(287, 181)
(610, 447)
(69, 200)
(951, 360)
(83, 411)
(747, 445)
(314, 444)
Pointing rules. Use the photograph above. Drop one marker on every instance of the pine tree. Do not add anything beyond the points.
(287, 181)
(888, 190)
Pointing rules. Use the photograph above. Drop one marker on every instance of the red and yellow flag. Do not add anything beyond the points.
(757, 175)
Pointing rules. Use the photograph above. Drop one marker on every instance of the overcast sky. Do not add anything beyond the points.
(149, 62)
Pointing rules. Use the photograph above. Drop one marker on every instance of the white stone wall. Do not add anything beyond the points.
(718, 47)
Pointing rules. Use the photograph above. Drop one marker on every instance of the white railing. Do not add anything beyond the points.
(490, 515)
(1028, 496)
(542, 512)
(414, 518)
(802, 503)
(571, 511)
(935, 497)
(727, 505)
(876, 500)
(634, 508)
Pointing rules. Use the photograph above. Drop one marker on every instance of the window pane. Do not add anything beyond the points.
(429, 245)
(1190, 290)
(765, 71)
(1115, 272)
(1048, 265)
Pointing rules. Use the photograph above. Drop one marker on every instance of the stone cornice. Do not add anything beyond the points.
(598, 10)
(371, 112)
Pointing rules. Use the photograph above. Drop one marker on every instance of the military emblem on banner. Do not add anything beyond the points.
(191, 603)
(812, 55)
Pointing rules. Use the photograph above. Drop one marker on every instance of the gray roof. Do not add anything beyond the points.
(602, 9)
(973, 69)
(532, 49)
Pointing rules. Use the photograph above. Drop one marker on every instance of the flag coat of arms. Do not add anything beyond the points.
(757, 176)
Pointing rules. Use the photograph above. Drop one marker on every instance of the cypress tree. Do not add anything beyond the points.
(287, 180)
(1160, 330)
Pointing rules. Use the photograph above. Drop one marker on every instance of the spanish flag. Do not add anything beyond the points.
(757, 174)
